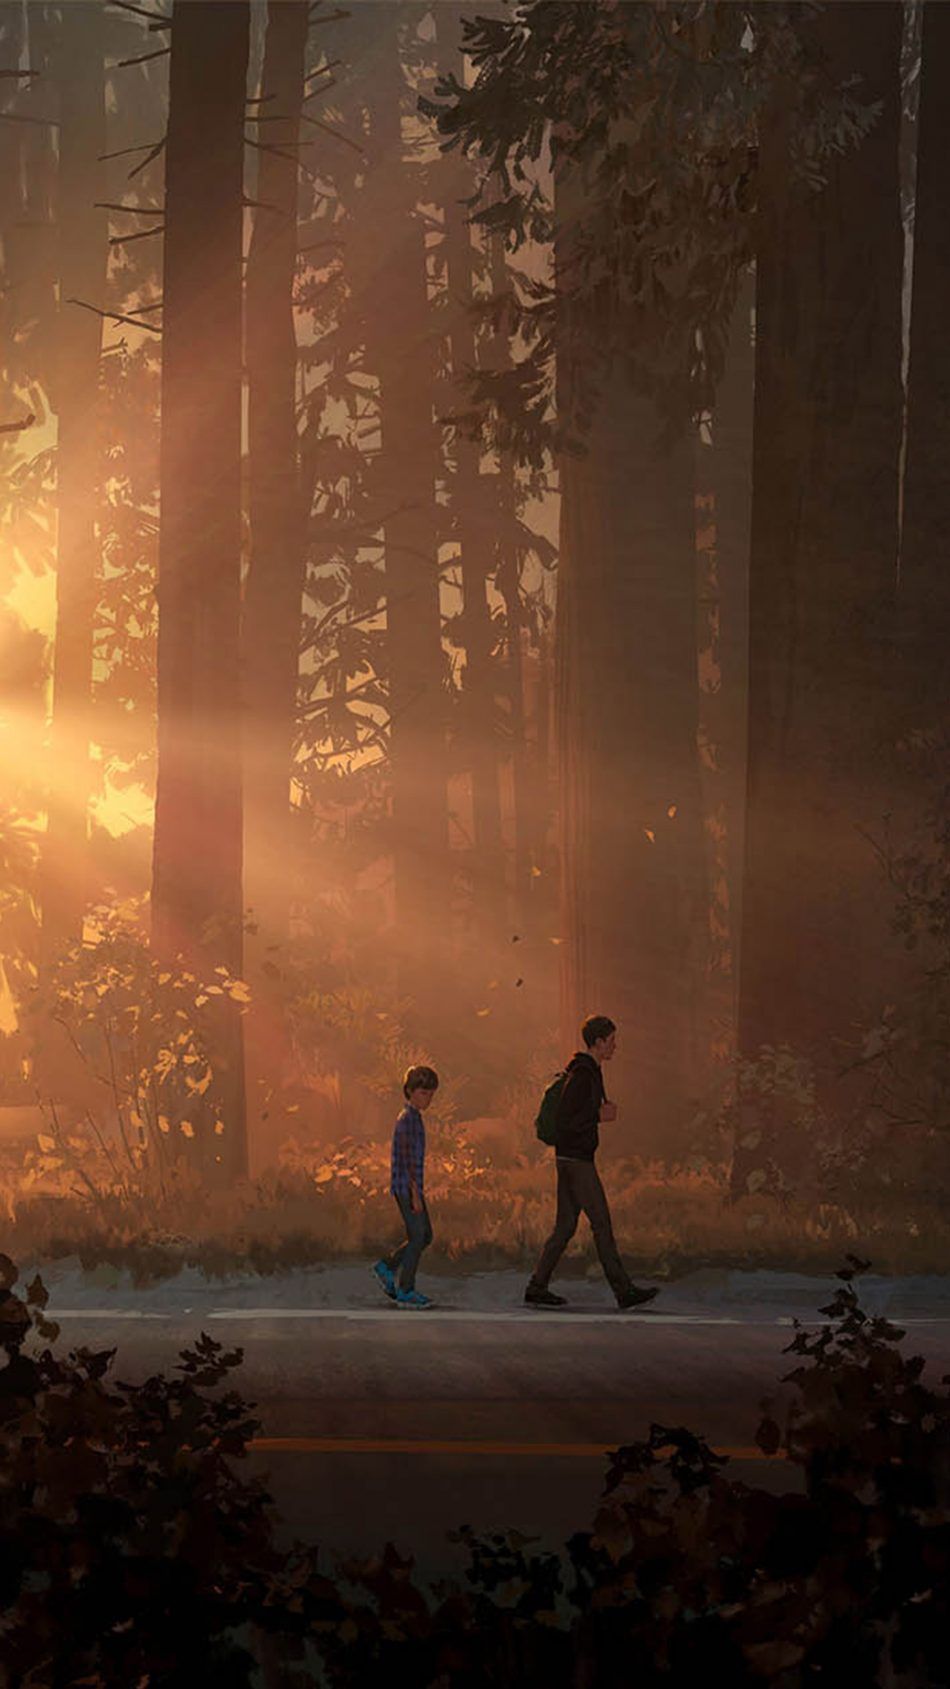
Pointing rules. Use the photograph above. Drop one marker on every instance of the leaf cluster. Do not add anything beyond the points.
(626, 137)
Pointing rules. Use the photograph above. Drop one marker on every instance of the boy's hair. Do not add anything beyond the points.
(420, 1078)
(594, 1027)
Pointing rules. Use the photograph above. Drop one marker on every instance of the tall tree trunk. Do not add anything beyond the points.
(924, 593)
(408, 465)
(274, 589)
(197, 895)
(723, 502)
(632, 857)
(824, 559)
(468, 504)
(82, 232)
(508, 582)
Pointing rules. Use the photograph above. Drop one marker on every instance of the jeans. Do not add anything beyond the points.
(405, 1259)
(579, 1190)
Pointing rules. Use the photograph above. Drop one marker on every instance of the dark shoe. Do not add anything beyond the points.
(544, 1299)
(635, 1298)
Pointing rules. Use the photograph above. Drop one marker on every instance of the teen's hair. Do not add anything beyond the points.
(596, 1026)
(420, 1078)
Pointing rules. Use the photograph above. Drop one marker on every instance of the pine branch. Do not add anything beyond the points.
(156, 19)
(143, 234)
(115, 316)
(322, 70)
(146, 161)
(17, 427)
(133, 210)
(124, 152)
(143, 58)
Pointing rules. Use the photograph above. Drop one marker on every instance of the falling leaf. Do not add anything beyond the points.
(519, 982)
(536, 873)
(240, 991)
(164, 978)
(164, 1124)
(187, 1128)
(47, 1144)
(200, 1000)
(493, 985)
(482, 1012)
(218, 1127)
(516, 938)
(323, 1174)
(671, 812)
(555, 941)
(650, 834)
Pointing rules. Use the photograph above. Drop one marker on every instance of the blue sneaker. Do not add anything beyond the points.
(386, 1278)
(412, 1299)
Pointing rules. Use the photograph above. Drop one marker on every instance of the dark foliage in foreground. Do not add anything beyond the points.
(134, 1553)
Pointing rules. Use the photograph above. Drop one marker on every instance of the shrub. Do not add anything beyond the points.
(133, 1553)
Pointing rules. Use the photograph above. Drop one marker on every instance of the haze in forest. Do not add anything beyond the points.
(472, 533)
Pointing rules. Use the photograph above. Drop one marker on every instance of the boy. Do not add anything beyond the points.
(582, 1105)
(407, 1186)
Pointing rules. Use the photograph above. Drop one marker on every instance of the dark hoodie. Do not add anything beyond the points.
(578, 1109)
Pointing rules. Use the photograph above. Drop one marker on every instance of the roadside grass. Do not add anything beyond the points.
(488, 1210)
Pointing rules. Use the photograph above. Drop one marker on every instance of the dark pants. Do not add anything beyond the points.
(405, 1259)
(579, 1190)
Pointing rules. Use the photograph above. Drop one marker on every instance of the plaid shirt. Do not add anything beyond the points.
(409, 1153)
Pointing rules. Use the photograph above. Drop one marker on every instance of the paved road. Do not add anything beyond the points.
(384, 1424)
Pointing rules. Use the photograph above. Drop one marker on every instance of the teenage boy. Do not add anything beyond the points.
(581, 1106)
(407, 1186)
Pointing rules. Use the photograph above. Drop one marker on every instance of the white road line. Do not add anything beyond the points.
(528, 1316)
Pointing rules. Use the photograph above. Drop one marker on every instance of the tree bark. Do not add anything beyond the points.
(408, 466)
(82, 234)
(468, 498)
(632, 859)
(197, 894)
(508, 581)
(824, 558)
(274, 589)
(924, 593)
(724, 468)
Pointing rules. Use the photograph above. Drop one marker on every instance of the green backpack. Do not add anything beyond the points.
(546, 1123)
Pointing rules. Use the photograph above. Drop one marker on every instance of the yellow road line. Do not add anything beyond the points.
(420, 1445)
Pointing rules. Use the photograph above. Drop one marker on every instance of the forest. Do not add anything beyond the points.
(473, 513)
